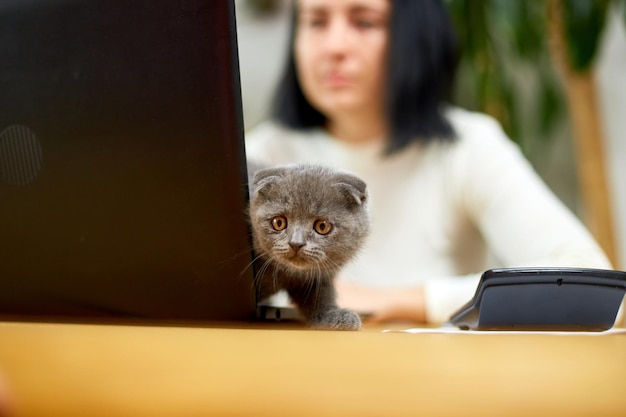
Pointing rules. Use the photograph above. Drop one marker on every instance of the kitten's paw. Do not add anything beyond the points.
(339, 319)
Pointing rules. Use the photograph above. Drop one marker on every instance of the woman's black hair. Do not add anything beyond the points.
(421, 63)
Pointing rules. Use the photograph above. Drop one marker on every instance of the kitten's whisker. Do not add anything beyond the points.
(260, 269)
(318, 282)
(261, 272)
(311, 281)
(334, 266)
(252, 262)
(234, 258)
(275, 279)
(325, 268)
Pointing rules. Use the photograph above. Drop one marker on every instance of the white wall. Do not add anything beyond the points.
(611, 81)
(262, 45)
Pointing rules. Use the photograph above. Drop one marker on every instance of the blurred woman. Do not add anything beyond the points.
(364, 90)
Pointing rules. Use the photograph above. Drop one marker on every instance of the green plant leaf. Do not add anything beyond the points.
(549, 108)
(584, 21)
(262, 7)
(517, 20)
(471, 26)
(505, 67)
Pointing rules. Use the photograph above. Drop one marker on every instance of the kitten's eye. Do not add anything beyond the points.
(322, 227)
(279, 223)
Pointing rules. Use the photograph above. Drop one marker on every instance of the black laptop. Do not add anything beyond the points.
(123, 180)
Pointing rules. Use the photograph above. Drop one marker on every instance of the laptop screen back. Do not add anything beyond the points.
(123, 192)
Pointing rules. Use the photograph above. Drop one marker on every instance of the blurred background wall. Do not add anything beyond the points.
(611, 78)
(262, 46)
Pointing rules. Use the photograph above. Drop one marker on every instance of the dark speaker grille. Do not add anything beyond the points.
(20, 155)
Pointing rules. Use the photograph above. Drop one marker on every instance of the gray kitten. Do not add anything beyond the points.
(307, 222)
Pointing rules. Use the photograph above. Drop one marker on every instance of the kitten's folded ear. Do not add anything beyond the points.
(264, 178)
(352, 187)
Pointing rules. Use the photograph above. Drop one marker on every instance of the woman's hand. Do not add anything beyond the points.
(382, 304)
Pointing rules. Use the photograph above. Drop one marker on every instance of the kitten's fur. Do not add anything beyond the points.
(286, 204)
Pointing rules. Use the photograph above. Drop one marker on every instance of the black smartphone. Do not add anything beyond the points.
(557, 299)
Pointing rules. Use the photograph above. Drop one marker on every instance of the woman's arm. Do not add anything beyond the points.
(432, 302)
(522, 221)
(383, 304)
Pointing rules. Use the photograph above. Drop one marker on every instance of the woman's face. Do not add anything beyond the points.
(340, 54)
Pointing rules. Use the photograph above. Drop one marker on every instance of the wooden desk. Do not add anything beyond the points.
(81, 370)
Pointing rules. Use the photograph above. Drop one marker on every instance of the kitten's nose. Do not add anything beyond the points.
(297, 240)
(296, 245)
